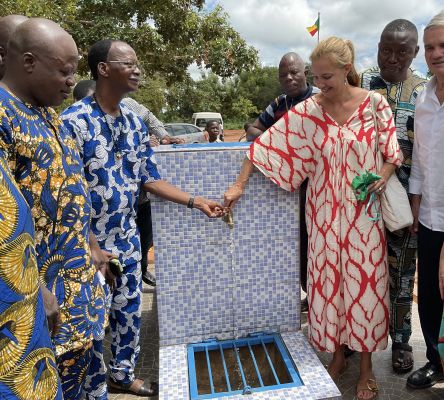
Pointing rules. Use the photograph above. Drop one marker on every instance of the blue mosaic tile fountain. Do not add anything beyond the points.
(214, 282)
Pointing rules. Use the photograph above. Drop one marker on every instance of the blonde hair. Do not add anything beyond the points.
(436, 21)
(340, 52)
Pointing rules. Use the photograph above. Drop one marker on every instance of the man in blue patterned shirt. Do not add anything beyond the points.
(114, 144)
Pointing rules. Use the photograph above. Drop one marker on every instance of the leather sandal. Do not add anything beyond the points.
(402, 357)
(371, 386)
(137, 386)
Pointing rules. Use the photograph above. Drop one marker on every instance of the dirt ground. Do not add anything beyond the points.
(233, 135)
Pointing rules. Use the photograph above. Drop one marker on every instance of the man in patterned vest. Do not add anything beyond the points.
(395, 80)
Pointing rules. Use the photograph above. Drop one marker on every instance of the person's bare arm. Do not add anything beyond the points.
(234, 192)
(101, 260)
(172, 193)
(52, 310)
(415, 202)
(385, 173)
(255, 130)
(441, 273)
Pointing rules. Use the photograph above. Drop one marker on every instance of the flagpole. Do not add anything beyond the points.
(319, 24)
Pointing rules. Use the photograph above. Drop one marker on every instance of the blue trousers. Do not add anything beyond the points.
(125, 324)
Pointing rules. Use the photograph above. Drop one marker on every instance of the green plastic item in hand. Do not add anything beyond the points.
(361, 183)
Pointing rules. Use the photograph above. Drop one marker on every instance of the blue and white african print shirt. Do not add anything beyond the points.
(27, 368)
(46, 165)
(118, 160)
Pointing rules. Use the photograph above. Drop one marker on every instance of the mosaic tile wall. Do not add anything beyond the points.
(217, 282)
(173, 374)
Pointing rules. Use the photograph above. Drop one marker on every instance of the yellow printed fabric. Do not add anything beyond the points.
(49, 172)
(402, 99)
(27, 367)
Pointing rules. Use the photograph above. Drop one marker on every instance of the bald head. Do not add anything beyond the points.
(291, 58)
(42, 37)
(8, 25)
(292, 75)
(41, 62)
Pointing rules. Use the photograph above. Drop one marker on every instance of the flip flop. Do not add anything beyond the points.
(137, 386)
(371, 386)
(402, 357)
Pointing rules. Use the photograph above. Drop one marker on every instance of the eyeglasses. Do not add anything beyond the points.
(128, 64)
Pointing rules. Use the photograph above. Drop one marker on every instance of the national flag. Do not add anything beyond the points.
(312, 30)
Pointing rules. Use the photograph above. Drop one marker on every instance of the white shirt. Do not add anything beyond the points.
(426, 177)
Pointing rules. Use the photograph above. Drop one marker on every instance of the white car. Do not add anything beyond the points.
(188, 132)
(201, 118)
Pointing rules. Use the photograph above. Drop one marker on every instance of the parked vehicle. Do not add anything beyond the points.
(189, 132)
(201, 118)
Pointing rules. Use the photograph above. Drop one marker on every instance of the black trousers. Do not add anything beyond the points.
(303, 235)
(146, 231)
(429, 298)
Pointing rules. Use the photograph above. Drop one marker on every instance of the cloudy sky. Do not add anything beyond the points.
(275, 27)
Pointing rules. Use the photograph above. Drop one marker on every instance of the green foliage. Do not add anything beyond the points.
(243, 108)
(168, 35)
(187, 97)
(231, 124)
(309, 73)
(260, 86)
(152, 94)
(238, 99)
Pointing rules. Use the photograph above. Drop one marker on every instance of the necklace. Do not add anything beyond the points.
(115, 133)
(286, 104)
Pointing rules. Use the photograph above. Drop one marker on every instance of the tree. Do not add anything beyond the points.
(260, 86)
(187, 97)
(152, 94)
(243, 108)
(168, 35)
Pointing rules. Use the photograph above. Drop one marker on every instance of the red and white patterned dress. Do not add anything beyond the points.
(347, 256)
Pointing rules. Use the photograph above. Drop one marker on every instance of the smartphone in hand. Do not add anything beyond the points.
(116, 267)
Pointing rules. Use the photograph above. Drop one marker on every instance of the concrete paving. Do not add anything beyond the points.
(391, 386)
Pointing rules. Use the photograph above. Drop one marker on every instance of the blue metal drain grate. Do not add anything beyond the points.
(257, 363)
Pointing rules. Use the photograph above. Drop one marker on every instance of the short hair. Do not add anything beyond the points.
(292, 55)
(98, 53)
(340, 52)
(400, 25)
(436, 21)
(83, 88)
(211, 121)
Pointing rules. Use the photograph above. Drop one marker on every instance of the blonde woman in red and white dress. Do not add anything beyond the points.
(330, 138)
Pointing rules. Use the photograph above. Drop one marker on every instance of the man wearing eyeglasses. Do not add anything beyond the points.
(114, 144)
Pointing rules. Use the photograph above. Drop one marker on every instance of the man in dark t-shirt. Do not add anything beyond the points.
(292, 77)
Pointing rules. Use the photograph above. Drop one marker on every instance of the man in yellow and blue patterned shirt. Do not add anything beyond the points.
(40, 65)
(26, 344)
